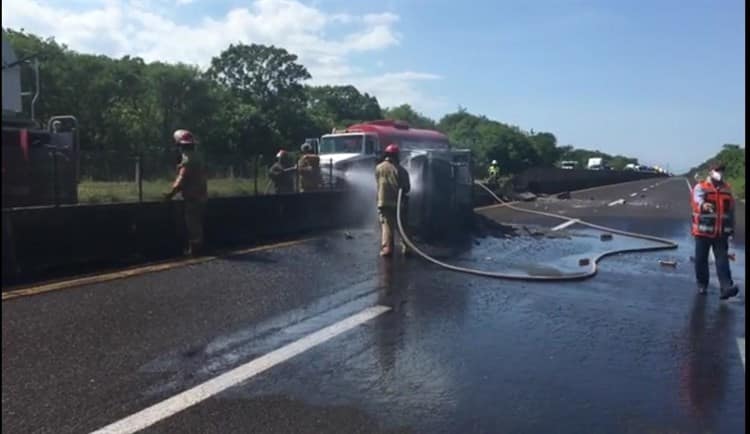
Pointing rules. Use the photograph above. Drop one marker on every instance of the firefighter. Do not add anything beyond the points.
(712, 225)
(494, 169)
(191, 183)
(494, 173)
(309, 169)
(390, 176)
(281, 173)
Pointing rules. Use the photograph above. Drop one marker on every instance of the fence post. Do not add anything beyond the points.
(255, 176)
(139, 177)
(56, 188)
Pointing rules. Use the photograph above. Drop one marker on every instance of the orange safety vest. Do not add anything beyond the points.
(719, 222)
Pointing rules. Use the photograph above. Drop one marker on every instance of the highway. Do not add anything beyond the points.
(323, 335)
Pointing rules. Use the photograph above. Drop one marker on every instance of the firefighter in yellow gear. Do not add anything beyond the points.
(308, 168)
(191, 183)
(390, 177)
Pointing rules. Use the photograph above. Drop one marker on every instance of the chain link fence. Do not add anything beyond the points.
(107, 176)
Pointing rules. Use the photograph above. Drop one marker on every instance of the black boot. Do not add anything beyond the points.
(729, 292)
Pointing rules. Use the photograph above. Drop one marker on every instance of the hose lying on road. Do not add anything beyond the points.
(666, 244)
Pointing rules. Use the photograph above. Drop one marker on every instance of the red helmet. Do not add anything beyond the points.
(281, 153)
(392, 149)
(183, 137)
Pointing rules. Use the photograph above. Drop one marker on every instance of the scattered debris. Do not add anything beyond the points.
(605, 237)
(526, 196)
(348, 236)
(534, 233)
(583, 262)
(664, 263)
(564, 195)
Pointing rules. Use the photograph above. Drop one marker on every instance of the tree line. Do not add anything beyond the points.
(251, 101)
(733, 158)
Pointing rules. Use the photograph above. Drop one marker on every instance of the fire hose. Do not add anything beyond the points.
(665, 244)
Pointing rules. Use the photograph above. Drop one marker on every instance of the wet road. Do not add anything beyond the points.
(634, 349)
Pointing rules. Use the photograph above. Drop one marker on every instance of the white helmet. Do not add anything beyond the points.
(494, 161)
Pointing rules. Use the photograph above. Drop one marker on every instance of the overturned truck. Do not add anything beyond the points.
(441, 196)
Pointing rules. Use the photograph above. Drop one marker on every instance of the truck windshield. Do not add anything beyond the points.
(341, 144)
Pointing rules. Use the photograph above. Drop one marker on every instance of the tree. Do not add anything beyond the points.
(265, 75)
(546, 146)
(407, 114)
(270, 79)
(339, 106)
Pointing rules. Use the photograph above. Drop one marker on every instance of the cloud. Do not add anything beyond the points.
(154, 31)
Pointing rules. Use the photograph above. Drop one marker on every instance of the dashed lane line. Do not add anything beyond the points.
(616, 202)
(171, 406)
(566, 224)
(633, 194)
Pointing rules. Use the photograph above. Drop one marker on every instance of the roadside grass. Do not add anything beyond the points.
(153, 190)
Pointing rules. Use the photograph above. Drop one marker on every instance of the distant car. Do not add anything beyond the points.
(568, 165)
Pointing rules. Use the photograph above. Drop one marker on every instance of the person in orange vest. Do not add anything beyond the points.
(712, 225)
(191, 183)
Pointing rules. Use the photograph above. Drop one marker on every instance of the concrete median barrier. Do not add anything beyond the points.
(553, 180)
(43, 242)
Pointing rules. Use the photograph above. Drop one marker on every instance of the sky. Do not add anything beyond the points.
(660, 80)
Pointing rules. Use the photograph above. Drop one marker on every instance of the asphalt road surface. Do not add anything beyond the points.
(325, 336)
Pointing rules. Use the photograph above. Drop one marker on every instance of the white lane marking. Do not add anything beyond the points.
(690, 187)
(633, 194)
(203, 391)
(741, 346)
(644, 189)
(565, 225)
(616, 202)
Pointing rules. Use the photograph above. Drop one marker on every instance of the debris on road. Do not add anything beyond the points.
(535, 233)
(668, 263)
(606, 237)
(564, 195)
(348, 236)
(526, 196)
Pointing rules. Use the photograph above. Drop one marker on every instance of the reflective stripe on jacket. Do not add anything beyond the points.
(718, 222)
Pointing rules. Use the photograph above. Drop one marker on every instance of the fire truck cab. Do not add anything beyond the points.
(360, 146)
